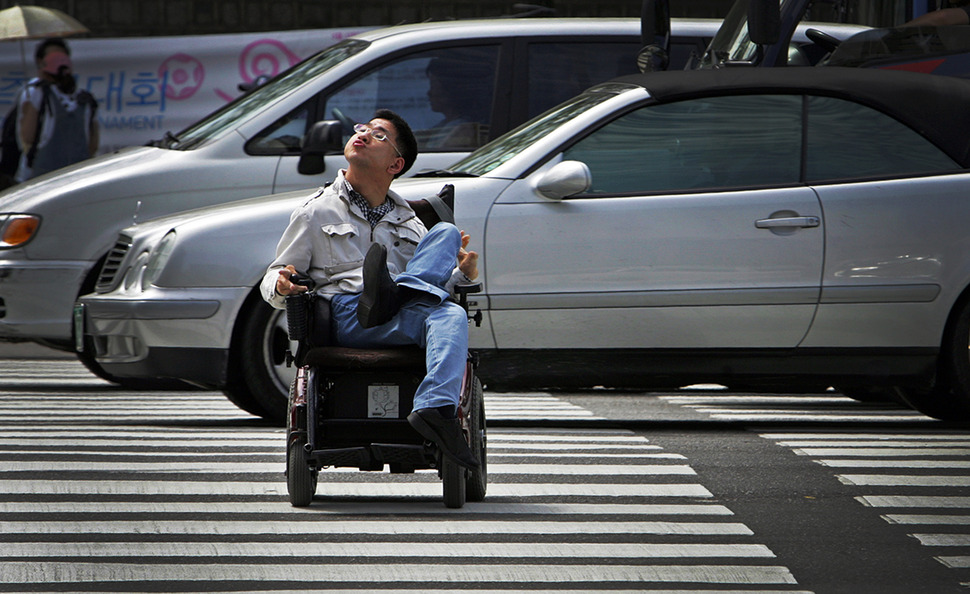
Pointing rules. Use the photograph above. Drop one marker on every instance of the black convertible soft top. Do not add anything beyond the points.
(936, 106)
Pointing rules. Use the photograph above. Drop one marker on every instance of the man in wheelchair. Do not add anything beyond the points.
(398, 294)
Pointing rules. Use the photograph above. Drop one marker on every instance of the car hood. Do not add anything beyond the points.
(234, 242)
(262, 211)
(41, 194)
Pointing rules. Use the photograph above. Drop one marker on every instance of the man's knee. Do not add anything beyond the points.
(444, 232)
(454, 315)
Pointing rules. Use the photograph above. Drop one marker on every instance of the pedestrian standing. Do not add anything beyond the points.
(56, 124)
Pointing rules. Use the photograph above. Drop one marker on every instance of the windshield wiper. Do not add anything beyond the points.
(442, 173)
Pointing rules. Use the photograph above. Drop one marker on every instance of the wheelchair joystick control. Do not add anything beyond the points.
(296, 308)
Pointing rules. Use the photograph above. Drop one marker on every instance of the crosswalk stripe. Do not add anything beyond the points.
(350, 508)
(856, 463)
(887, 452)
(849, 439)
(825, 408)
(904, 480)
(52, 573)
(370, 549)
(952, 520)
(955, 562)
(901, 443)
(930, 501)
(943, 540)
(757, 399)
(274, 468)
(370, 527)
(783, 417)
(384, 489)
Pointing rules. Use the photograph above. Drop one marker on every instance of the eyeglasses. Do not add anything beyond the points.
(376, 134)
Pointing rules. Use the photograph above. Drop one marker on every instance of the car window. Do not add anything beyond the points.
(510, 144)
(559, 71)
(446, 95)
(708, 143)
(848, 140)
(284, 136)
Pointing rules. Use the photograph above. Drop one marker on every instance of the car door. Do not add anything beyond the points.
(897, 240)
(694, 233)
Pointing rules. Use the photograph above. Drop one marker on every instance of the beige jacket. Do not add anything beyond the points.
(327, 238)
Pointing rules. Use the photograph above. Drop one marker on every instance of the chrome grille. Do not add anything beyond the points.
(108, 277)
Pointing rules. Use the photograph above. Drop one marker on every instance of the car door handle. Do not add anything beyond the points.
(787, 222)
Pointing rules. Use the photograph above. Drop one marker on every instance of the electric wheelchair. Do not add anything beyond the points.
(348, 407)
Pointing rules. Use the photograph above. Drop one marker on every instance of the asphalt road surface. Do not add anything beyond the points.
(697, 490)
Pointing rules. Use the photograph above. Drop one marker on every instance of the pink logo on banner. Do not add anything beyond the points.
(266, 57)
(183, 76)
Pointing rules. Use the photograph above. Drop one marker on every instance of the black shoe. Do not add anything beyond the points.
(382, 298)
(446, 434)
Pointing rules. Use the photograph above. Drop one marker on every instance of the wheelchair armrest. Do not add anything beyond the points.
(307, 323)
(463, 291)
(297, 314)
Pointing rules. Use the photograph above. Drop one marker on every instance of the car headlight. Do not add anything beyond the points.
(137, 271)
(17, 229)
(158, 259)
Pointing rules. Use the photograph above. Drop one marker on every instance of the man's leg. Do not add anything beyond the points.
(434, 261)
(442, 330)
(427, 273)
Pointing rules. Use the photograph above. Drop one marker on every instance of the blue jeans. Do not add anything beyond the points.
(432, 322)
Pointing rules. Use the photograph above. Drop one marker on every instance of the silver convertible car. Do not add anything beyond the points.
(751, 227)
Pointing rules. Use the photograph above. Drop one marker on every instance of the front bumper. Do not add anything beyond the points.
(36, 298)
(166, 336)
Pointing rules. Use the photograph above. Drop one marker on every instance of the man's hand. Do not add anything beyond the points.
(467, 261)
(283, 284)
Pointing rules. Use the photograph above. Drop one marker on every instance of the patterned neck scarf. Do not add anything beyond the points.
(373, 215)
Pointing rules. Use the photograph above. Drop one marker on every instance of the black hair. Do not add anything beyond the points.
(48, 43)
(406, 143)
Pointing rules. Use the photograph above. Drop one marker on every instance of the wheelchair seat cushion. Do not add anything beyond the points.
(348, 358)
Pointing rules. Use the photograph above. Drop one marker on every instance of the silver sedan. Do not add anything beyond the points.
(774, 228)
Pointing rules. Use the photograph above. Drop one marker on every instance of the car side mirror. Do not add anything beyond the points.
(564, 179)
(322, 138)
(764, 21)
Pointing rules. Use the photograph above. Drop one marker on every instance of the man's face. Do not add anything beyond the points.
(364, 149)
(56, 64)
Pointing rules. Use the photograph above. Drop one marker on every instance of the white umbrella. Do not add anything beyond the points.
(34, 22)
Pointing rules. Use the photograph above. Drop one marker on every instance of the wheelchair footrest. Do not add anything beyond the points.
(401, 457)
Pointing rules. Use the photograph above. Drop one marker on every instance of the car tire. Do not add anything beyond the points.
(948, 399)
(259, 376)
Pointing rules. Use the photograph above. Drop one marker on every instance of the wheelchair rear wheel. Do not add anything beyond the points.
(477, 481)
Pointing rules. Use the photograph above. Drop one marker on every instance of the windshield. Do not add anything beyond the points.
(221, 121)
(514, 142)
(731, 43)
